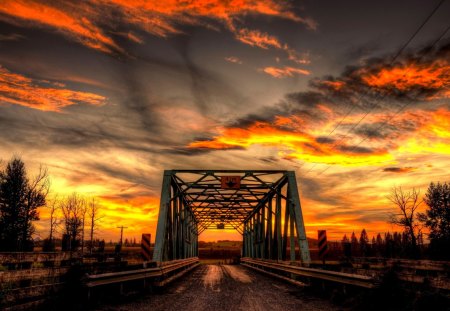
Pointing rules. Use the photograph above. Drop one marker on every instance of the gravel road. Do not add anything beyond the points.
(227, 287)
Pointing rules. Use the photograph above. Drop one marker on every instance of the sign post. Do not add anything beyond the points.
(145, 246)
(323, 246)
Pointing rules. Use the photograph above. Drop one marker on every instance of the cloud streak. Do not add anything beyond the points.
(284, 72)
(289, 136)
(92, 22)
(43, 95)
(299, 139)
(70, 21)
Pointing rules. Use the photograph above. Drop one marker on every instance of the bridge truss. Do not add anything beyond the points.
(263, 206)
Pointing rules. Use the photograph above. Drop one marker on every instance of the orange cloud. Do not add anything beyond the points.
(65, 20)
(297, 139)
(21, 90)
(161, 18)
(296, 57)
(297, 144)
(216, 9)
(434, 76)
(257, 38)
(335, 85)
(399, 169)
(284, 72)
(233, 59)
(432, 136)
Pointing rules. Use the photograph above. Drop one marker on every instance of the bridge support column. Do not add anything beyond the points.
(298, 216)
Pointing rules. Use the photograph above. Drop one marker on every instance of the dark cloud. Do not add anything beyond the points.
(133, 176)
(362, 215)
(318, 191)
(376, 130)
(399, 169)
(198, 150)
(354, 91)
(356, 149)
(11, 37)
(270, 160)
(325, 140)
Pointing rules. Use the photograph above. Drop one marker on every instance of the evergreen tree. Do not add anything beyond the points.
(388, 245)
(379, 245)
(345, 239)
(20, 199)
(437, 219)
(355, 244)
(363, 242)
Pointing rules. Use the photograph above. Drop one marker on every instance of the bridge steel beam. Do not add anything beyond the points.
(276, 221)
(177, 231)
(265, 208)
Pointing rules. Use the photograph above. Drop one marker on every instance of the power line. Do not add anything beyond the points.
(388, 119)
(361, 96)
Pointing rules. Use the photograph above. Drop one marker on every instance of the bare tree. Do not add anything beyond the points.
(73, 211)
(54, 220)
(93, 214)
(407, 203)
(83, 213)
(36, 195)
(48, 244)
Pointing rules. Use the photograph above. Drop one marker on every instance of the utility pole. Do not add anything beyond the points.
(121, 234)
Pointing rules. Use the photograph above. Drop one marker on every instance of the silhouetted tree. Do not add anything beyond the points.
(407, 203)
(73, 210)
(397, 244)
(379, 249)
(94, 217)
(363, 242)
(437, 219)
(345, 239)
(355, 244)
(49, 243)
(388, 245)
(20, 199)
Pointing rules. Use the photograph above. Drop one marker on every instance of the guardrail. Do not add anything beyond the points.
(161, 275)
(288, 271)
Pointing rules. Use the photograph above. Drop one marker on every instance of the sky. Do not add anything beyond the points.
(108, 93)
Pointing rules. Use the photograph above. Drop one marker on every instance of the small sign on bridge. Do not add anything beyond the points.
(323, 246)
(145, 246)
(231, 182)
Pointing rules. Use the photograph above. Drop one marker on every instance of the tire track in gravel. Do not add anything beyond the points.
(227, 288)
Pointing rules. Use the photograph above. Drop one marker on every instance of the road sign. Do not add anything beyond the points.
(323, 246)
(145, 246)
(231, 182)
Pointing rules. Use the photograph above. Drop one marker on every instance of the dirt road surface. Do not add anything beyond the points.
(227, 287)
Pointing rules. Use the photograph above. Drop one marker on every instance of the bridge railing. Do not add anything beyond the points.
(161, 275)
(289, 271)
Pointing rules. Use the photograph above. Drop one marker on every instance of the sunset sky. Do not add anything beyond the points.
(109, 93)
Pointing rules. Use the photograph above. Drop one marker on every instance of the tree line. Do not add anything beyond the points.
(435, 220)
(21, 197)
(389, 245)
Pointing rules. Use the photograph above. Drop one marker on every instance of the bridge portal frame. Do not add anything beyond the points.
(267, 213)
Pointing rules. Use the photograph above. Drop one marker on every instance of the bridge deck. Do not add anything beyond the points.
(227, 287)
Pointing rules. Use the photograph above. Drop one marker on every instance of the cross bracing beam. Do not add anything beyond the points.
(263, 206)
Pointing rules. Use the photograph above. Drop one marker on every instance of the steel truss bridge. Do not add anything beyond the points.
(263, 206)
